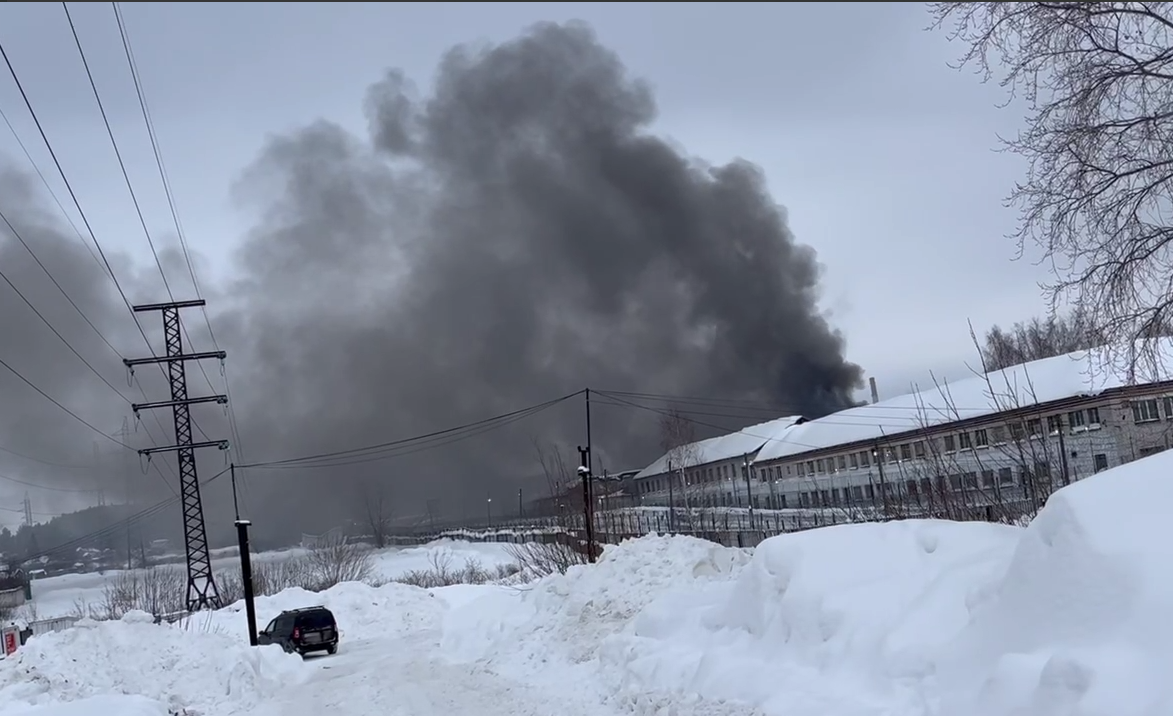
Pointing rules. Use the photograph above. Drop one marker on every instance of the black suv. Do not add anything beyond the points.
(303, 631)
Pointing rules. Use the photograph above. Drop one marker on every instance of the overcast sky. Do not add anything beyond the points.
(881, 153)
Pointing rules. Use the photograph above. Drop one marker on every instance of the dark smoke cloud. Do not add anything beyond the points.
(516, 234)
(39, 442)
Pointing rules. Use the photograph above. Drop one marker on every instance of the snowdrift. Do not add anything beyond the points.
(134, 666)
(1080, 623)
(361, 610)
(522, 632)
(1066, 616)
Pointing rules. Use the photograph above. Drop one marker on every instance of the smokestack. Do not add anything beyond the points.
(875, 393)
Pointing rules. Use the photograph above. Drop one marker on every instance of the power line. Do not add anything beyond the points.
(45, 462)
(158, 152)
(117, 153)
(370, 450)
(129, 185)
(44, 487)
(48, 187)
(120, 525)
(51, 327)
(81, 212)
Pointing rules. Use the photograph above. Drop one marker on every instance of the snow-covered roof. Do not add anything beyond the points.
(725, 447)
(1034, 383)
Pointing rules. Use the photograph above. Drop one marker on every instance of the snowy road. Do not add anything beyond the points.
(401, 677)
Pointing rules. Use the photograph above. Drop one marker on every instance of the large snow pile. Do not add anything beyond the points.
(827, 621)
(180, 669)
(565, 618)
(1067, 616)
(361, 610)
(1081, 622)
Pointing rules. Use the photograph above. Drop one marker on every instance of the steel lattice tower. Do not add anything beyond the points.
(201, 587)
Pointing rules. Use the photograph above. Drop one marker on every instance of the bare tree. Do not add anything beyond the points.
(557, 552)
(679, 443)
(1097, 83)
(375, 509)
(1001, 471)
(1038, 338)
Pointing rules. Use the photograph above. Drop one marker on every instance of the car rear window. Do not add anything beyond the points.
(316, 620)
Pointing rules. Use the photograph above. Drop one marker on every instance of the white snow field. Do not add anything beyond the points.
(1067, 617)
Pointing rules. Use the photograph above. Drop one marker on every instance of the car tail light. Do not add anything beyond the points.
(296, 633)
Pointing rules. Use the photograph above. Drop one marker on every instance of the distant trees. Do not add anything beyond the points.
(1037, 338)
(375, 509)
(679, 443)
(1096, 80)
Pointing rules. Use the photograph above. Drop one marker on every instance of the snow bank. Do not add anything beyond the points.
(818, 622)
(563, 619)
(177, 668)
(362, 611)
(1081, 622)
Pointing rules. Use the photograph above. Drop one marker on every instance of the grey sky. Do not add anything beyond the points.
(882, 155)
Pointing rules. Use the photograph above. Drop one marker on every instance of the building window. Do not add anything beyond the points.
(1100, 461)
(1016, 431)
(857, 493)
(955, 482)
(1034, 427)
(1076, 419)
(1145, 411)
(1093, 417)
(997, 434)
(950, 443)
(918, 449)
(1005, 476)
(864, 459)
(913, 490)
(810, 467)
(1168, 400)
(854, 460)
(971, 481)
(821, 465)
(905, 452)
(987, 478)
(965, 440)
(890, 453)
(842, 462)
(1054, 424)
(981, 438)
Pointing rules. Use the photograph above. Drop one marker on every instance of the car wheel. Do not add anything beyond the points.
(333, 649)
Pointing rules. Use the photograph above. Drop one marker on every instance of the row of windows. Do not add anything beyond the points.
(1149, 409)
(1077, 420)
(696, 476)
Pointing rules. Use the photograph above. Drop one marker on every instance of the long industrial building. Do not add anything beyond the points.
(1008, 437)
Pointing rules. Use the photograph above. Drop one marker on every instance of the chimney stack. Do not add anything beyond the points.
(875, 393)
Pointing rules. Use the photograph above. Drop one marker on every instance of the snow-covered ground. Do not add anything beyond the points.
(1067, 617)
(71, 594)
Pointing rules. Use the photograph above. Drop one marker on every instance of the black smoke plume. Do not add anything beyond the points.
(516, 233)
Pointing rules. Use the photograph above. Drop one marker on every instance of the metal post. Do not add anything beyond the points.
(235, 503)
(520, 505)
(748, 489)
(201, 587)
(584, 472)
(246, 576)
